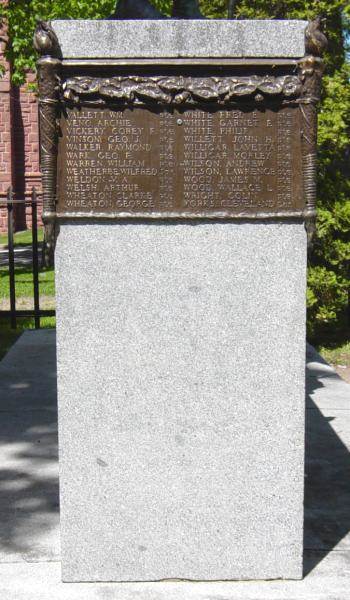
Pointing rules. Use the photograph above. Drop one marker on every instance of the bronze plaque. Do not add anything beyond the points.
(198, 162)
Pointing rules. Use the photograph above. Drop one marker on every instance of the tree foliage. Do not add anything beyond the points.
(328, 289)
(22, 16)
(329, 260)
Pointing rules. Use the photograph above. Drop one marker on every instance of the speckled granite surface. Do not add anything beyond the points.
(181, 400)
(181, 39)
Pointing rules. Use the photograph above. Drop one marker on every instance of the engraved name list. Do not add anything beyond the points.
(179, 162)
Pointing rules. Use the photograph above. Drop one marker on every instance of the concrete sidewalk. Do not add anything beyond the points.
(29, 510)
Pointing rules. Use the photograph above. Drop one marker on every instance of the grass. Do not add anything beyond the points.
(22, 238)
(24, 282)
(336, 355)
(24, 293)
(24, 296)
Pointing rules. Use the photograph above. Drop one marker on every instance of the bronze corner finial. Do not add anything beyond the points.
(45, 40)
(48, 65)
(311, 70)
(315, 40)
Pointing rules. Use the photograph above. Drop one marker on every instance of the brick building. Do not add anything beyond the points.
(19, 142)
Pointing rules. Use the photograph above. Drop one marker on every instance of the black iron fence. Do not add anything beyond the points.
(36, 313)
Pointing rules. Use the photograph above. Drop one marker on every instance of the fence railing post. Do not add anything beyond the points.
(22, 259)
(11, 256)
(35, 259)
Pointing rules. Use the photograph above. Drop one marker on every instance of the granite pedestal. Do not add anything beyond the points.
(181, 353)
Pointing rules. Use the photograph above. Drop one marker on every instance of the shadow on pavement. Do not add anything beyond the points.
(29, 503)
(327, 483)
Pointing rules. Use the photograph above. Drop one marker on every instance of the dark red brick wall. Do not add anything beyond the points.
(5, 130)
(25, 147)
(19, 142)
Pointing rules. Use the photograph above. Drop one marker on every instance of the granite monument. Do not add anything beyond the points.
(179, 162)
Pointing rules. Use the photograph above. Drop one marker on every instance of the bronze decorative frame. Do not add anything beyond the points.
(311, 69)
(62, 84)
(49, 83)
(178, 90)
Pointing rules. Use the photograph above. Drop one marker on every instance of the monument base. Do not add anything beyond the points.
(181, 355)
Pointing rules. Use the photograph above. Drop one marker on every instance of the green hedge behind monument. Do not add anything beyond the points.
(329, 263)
